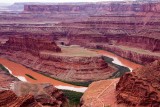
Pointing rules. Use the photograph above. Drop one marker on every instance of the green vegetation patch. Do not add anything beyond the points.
(30, 76)
(74, 97)
(121, 69)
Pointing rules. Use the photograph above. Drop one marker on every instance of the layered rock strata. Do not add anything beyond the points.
(32, 45)
(72, 64)
(22, 94)
(10, 99)
(132, 53)
(45, 94)
(88, 36)
(137, 55)
(141, 87)
(141, 42)
(110, 6)
(138, 88)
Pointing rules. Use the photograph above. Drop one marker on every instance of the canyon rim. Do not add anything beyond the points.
(80, 54)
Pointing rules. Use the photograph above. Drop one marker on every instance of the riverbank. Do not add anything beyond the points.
(121, 70)
(119, 60)
(33, 76)
(17, 71)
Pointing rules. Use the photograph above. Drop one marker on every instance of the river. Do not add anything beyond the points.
(119, 60)
(20, 72)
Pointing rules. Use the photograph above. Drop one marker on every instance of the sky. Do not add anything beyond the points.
(13, 1)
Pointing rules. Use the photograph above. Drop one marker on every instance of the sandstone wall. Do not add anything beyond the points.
(133, 55)
(141, 87)
(9, 98)
(141, 42)
(64, 67)
(23, 94)
(112, 6)
(44, 93)
(32, 45)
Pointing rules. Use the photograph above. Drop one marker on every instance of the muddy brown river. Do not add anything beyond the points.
(119, 60)
(20, 72)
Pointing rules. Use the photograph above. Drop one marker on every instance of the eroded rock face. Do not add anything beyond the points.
(112, 7)
(69, 66)
(6, 79)
(100, 94)
(126, 50)
(10, 99)
(30, 44)
(134, 54)
(85, 37)
(65, 68)
(141, 87)
(141, 42)
(45, 94)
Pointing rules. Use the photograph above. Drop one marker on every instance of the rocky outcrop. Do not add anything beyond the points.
(70, 65)
(111, 6)
(137, 55)
(88, 36)
(5, 79)
(10, 99)
(141, 87)
(25, 94)
(32, 45)
(64, 67)
(45, 94)
(100, 94)
(138, 88)
(132, 53)
(141, 42)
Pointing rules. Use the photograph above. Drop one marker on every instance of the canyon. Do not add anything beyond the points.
(6, 79)
(68, 41)
(137, 88)
(32, 95)
(67, 63)
(13, 92)
(146, 86)
(128, 25)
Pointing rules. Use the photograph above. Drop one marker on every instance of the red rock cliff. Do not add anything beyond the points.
(44, 93)
(152, 44)
(141, 87)
(32, 45)
(112, 6)
(10, 99)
